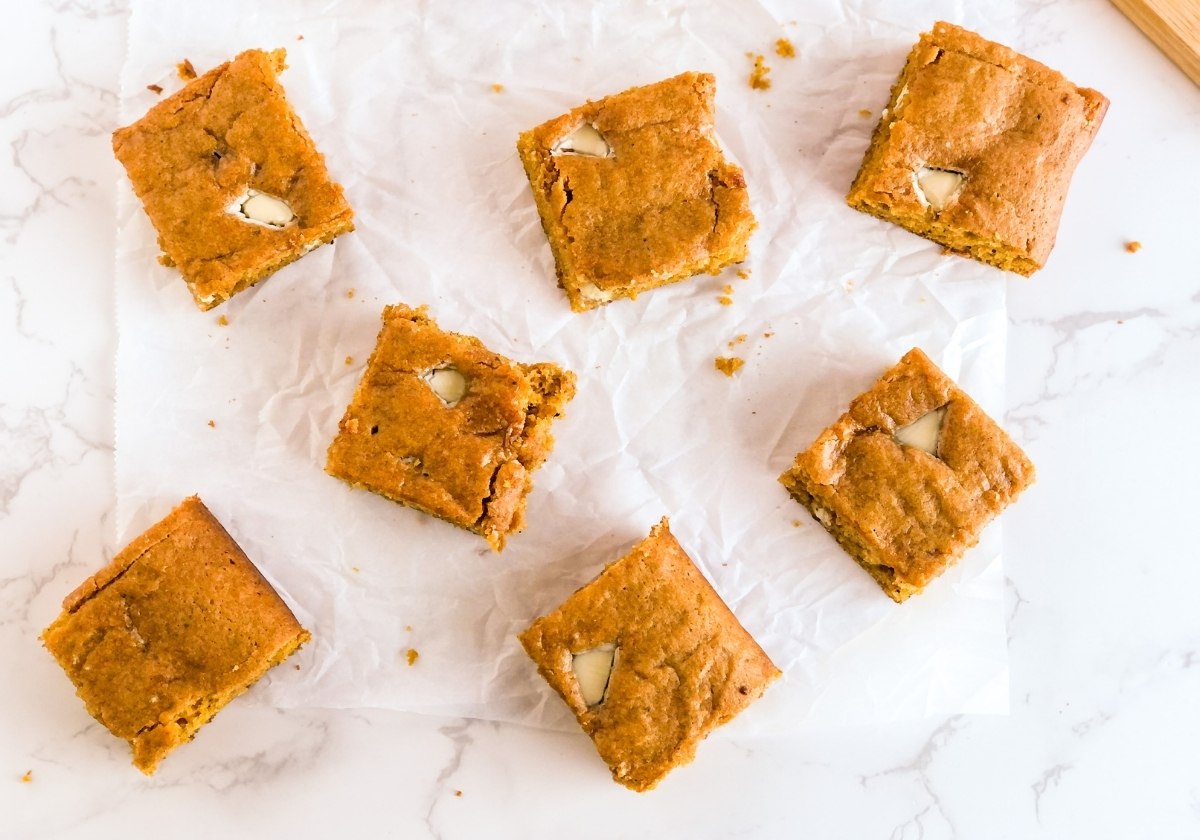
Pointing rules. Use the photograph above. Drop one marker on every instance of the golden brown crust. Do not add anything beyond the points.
(177, 625)
(471, 463)
(664, 207)
(195, 153)
(1014, 128)
(684, 665)
(903, 514)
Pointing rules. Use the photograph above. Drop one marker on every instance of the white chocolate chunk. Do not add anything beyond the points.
(585, 140)
(590, 291)
(262, 209)
(924, 433)
(449, 385)
(937, 187)
(592, 670)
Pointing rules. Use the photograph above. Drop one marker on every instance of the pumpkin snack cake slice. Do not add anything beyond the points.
(634, 192)
(976, 149)
(908, 477)
(176, 626)
(650, 660)
(441, 424)
(231, 181)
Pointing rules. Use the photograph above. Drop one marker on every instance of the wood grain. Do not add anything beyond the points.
(1174, 25)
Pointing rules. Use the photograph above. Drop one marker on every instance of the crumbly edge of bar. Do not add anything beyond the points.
(322, 236)
(848, 538)
(156, 741)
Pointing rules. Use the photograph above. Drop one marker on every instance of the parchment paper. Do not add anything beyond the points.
(400, 99)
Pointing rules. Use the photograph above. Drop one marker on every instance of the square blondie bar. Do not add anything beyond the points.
(443, 425)
(909, 476)
(976, 149)
(634, 192)
(230, 179)
(650, 660)
(176, 626)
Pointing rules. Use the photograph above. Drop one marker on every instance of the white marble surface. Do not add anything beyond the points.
(1104, 736)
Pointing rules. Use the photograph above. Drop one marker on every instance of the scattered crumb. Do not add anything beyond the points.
(865, 113)
(408, 628)
(458, 793)
(725, 300)
(850, 285)
(297, 667)
(212, 424)
(355, 569)
(185, 70)
(412, 656)
(744, 273)
(299, 37)
(28, 777)
(497, 88)
(349, 360)
(785, 48)
(350, 293)
(154, 88)
(223, 321)
(758, 76)
(737, 339)
(796, 523)
(728, 365)
(768, 334)
(1133, 247)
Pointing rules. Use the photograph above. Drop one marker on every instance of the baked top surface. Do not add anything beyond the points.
(1012, 127)
(468, 463)
(178, 616)
(684, 665)
(196, 152)
(665, 205)
(916, 512)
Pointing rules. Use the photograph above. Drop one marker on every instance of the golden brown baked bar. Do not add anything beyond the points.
(635, 193)
(976, 149)
(908, 477)
(649, 659)
(176, 626)
(211, 165)
(441, 424)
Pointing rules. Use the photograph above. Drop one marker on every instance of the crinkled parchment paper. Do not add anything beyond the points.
(402, 99)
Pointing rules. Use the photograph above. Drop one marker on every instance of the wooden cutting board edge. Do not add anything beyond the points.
(1173, 25)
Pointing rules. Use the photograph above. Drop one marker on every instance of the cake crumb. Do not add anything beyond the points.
(299, 37)
(736, 340)
(1133, 246)
(758, 76)
(223, 321)
(744, 273)
(185, 70)
(27, 778)
(297, 667)
(796, 523)
(865, 113)
(726, 297)
(768, 334)
(154, 88)
(350, 292)
(408, 628)
(497, 88)
(355, 569)
(349, 360)
(412, 656)
(458, 793)
(728, 365)
(212, 424)
(785, 48)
